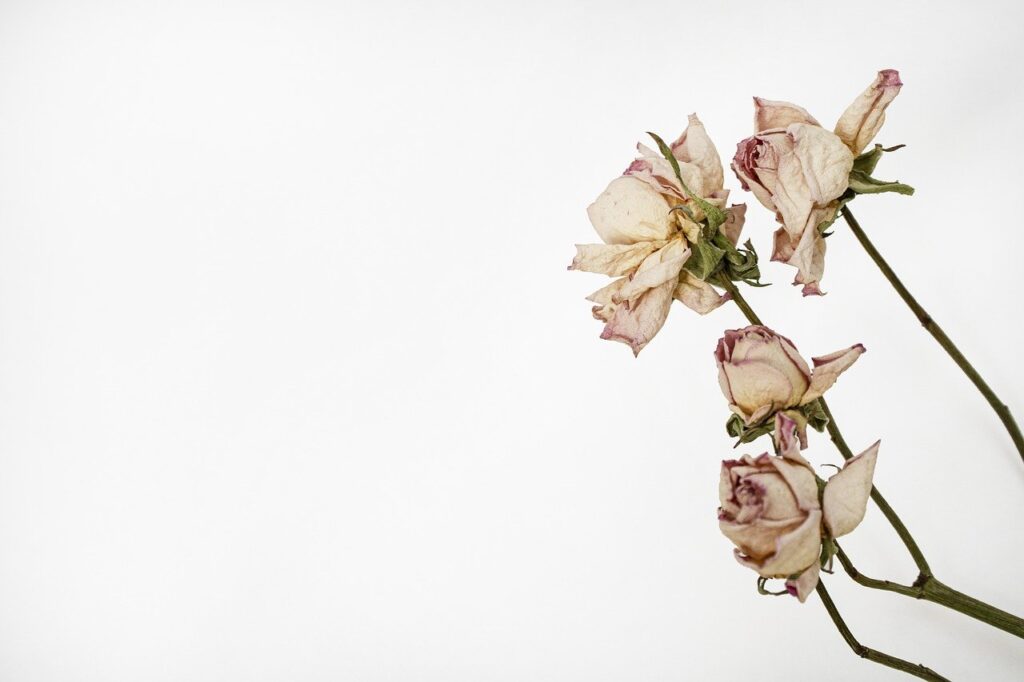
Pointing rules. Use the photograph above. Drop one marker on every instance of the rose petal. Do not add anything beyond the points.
(794, 551)
(825, 161)
(864, 117)
(827, 369)
(805, 583)
(769, 114)
(630, 211)
(604, 298)
(846, 494)
(791, 435)
(698, 295)
(696, 148)
(659, 268)
(614, 260)
(801, 482)
(635, 324)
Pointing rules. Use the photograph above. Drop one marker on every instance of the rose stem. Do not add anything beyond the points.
(930, 589)
(936, 331)
(841, 445)
(870, 654)
(894, 520)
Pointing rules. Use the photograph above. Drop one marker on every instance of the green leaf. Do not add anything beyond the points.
(704, 259)
(761, 582)
(815, 415)
(734, 425)
(862, 183)
(867, 161)
(715, 215)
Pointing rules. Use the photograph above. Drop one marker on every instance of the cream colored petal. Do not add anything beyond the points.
(696, 148)
(862, 120)
(698, 295)
(827, 369)
(770, 115)
(846, 494)
(825, 161)
(806, 253)
(659, 268)
(605, 299)
(792, 195)
(805, 583)
(795, 551)
(614, 260)
(630, 211)
(801, 482)
(759, 540)
(757, 388)
(636, 324)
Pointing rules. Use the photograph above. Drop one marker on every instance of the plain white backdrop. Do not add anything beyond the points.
(294, 384)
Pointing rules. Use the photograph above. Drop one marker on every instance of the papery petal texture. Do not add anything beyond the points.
(864, 117)
(846, 494)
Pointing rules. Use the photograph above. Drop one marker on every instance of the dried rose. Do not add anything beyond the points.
(771, 510)
(647, 240)
(761, 372)
(799, 170)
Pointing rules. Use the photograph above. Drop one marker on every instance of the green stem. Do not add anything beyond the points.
(928, 588)
(935, 330)
(887, 511)
(917, 670)
(840, 443)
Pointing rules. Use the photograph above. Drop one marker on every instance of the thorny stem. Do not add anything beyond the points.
(926, 587)
(917, 670)
(938, 334)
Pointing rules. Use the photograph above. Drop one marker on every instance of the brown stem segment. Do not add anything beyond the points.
(926, 587)
(915, 669)
(1000, 408)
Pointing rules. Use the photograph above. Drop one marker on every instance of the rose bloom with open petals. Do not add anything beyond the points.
(799, 170)
(646, 242)
(761, 372)
(771, 510)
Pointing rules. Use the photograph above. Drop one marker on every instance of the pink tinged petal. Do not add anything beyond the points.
(827, 370)
(824, 160)
(791, 435)
(846, 494)
(769, 114)
(696, 148)
(614, 260)
(698, 295)
(805, 583)
(635, 324)
(754, 165)
(630, 211)
(659, 268)
(864, 117)
(735, 216)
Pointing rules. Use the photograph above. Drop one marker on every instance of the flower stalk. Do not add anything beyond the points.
(916, 669)
(928, 588)
(933, 328)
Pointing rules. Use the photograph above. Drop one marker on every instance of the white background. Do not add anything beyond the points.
(294, 384)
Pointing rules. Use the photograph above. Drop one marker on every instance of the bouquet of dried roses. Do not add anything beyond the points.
(669, 234)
